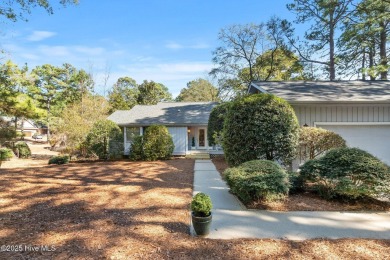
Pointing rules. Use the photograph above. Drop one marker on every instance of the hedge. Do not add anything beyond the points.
(260, 126)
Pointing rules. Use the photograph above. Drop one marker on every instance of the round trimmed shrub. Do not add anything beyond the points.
(5, 154)
(201, 205)
(22, 149)
(314, 142)
(216, 121)
(157, 143)
(257, 180)
(59, 159)
(260, 126)
(347, 172)
(137, 148)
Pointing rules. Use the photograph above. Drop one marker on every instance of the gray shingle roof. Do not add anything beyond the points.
(328, 91)
(165, 113)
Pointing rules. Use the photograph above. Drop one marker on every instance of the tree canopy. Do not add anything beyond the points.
(198, 90)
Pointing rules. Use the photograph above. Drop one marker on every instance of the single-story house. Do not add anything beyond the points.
(186, 122)
(27, 126)
(359, 111)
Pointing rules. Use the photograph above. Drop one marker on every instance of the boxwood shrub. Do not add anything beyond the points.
(258, 180)
(201, 205)
(155, 144)
(5, 154)
(260, 126)
(22, 149)
(348, 173)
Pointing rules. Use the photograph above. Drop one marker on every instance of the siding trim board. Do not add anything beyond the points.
(309, 114)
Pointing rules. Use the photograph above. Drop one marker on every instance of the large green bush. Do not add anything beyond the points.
(155, 144)
(260, 126)
(347, 172)
(201, 205)
(216, 121)
(314, 142)
(101, 138)
(5, 154)
(22, 149)
(257, 180)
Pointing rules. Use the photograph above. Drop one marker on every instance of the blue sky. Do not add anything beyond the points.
(169, 41)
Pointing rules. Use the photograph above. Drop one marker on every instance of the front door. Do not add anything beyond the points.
(202, 138)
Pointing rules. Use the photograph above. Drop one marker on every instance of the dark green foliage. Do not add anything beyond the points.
(59, 159)
(296, 182)
(201, 205)
(216, 120)
(101, 138)
(22, 149)
(5, 154)
(137, 148)
(347, 172)
(156, 144)
(258, 179)
(260, 126)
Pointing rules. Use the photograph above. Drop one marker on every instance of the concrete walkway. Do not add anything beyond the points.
(231, 219)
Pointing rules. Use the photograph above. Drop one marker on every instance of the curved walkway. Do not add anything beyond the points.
(232, 220)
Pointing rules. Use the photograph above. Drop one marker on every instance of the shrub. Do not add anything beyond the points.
(137, 148)
(22, 149)
(216, 121)
(103, 134)
(258, 179)
(314, 142)
(260, 126)
(5, 154)
(59, 159)
(201, 205)
(347, 172)
(155, 144)
(296, 182)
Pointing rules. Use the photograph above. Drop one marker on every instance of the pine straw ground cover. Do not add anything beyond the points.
(131, 210)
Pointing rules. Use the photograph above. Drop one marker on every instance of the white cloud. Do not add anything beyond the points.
(37, 36)
(177, 46)
(174, 46)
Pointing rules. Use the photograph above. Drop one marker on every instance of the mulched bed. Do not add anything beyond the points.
(309, 201)
(131, 210)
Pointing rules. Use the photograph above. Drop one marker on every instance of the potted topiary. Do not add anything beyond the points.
(201, 214)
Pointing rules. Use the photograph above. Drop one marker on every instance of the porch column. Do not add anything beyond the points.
(124, 139)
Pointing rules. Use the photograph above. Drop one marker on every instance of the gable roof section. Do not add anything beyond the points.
(165, 113)
(326, 91)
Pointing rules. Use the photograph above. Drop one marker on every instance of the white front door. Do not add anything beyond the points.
(202, 138)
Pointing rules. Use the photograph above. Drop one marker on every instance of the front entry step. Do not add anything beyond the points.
(199, 156)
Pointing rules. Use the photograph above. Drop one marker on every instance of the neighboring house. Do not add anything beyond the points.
(27, 126)
(185, 121)
(359, 111)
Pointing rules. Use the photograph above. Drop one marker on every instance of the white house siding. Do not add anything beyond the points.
(364, 126)
(179, 136)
